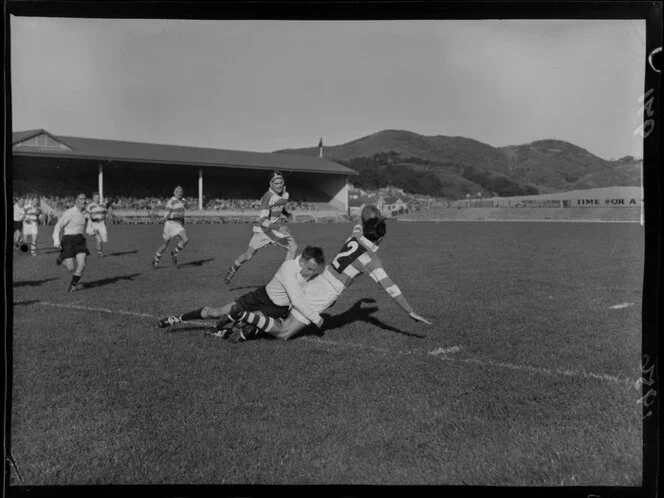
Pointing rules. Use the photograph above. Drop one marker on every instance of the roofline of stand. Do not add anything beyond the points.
(68, 155)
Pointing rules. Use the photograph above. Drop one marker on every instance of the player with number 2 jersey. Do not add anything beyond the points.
(357, 256)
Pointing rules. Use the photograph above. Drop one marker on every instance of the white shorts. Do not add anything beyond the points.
(320, 294)
(100, 228)
(30, 229)
(281, 238)
(172, 228)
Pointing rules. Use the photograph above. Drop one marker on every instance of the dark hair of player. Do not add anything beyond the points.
(315, 253)
(374, 229)
(369, 211)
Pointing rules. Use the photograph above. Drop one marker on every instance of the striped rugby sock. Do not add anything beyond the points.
(259, 320)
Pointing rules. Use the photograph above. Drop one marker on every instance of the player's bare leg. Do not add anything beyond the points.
(100, 244)
(222, 313)
(242, 259)
(78, 270)
(33, 244)
(160, 251)
(291, 249)
(182, 241)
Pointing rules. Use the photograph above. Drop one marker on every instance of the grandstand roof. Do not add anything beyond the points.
(115, 150)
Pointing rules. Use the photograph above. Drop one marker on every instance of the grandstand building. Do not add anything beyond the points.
(65, 165)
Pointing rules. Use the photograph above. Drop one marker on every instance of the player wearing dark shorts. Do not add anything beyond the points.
(258, 300)
(274, 300)
(73, 245)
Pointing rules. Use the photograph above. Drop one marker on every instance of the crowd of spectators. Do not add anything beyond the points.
(60, 204)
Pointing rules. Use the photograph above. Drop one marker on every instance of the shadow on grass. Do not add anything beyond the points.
(51, 251)
(191, 327)
(122, 253)
(106, 281)
(200, 262)
(356, 313)
(33, 283)
(246, 287)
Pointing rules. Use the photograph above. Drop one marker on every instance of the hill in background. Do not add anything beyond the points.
(452, 167)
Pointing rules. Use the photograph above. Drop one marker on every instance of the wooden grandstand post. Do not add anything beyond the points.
(100, 182)
(200, 189)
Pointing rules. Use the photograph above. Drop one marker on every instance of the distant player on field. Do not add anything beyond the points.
(173, 227)
(357, 256)
(19, 214)
(31, 223)
(274, 299)
(97, 225)
(270, 228)
(73, 245)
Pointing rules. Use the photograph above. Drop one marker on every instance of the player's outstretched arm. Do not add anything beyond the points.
(419, 318)
(378, 274)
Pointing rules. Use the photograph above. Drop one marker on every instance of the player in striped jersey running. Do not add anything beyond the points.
(19, 214)
(97, 211)
(270, 228)
(173, 227)
(357, 256)
(31, 223)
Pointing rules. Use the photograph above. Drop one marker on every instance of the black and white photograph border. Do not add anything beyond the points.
(195, 187)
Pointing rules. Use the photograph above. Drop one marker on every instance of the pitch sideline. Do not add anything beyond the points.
(444, 357)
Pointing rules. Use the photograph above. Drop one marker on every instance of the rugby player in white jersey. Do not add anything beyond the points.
(173, 227)
(356, 256)
(270, 228)
(72, 246)
(276, 299)
(97, 212)
(31, 223)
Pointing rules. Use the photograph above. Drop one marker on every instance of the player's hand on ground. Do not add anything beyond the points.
(319, 323)
(419, 318)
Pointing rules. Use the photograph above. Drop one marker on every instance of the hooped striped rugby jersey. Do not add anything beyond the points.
(176, 210)
(97, 212)
(272, 210)
(31, 214)
(358, 255)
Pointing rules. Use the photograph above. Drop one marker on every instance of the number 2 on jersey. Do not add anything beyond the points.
(345, 256)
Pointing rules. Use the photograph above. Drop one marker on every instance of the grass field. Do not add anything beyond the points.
(525, 378)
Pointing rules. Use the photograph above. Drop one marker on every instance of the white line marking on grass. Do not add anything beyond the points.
(451, 349)
(101, 310)
(348, 344)
(440, 353)
(544, 371)
(621, 306)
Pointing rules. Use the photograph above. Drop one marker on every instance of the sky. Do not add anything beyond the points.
(269, 85)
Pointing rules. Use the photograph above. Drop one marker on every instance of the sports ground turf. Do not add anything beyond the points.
(526, 377)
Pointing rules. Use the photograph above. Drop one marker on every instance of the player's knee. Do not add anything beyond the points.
(235, 310)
